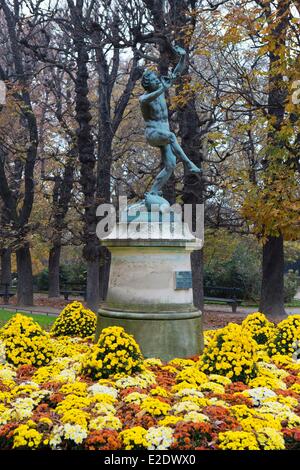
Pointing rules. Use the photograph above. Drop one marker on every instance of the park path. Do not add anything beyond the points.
(217, 308)
(35, 310)
(215, 316)
(246, 310)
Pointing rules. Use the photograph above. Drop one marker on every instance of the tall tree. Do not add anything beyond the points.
(259, 124)
(116, 81)
(271, 196)
(85, 145)
(5, 251)
(62, 178)
(100, 37)
(272, 287)
(18, 207)
(190, 131)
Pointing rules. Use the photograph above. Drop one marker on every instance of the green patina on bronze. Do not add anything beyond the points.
(155, 113)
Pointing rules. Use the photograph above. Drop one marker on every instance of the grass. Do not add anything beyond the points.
(44, 320)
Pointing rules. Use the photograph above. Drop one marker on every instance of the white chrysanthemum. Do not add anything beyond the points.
(265, 367)
(217, 402)
(135, 397)
(66, 375)
(187, 392)
(39, 395)
(2, 352)
(148, 376)
(280, 411)
(291, 402)
(185, 407)
(7, 372)
(23, 407)
(31, 388)
(104, 409)
(125, 382)
(29, 383)
(195, 417)
(97, 388)
(259, 394)
(275, 408)
(56, 437)
(5, 416)
(106, 422)
(75, 432)
(159, 438)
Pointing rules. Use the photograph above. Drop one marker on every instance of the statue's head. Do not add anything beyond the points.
(150, 80)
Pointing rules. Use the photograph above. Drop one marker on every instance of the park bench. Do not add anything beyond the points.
(75, 291)
(233, 301)
(6, 293)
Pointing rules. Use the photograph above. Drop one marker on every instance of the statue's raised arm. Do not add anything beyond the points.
(182, 61)
(147, 97)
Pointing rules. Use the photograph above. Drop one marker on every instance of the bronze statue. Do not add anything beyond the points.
(155, 113)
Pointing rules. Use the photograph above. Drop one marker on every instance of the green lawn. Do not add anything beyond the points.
(44, 320)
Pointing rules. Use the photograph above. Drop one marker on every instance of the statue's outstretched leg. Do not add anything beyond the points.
(182, 156)
(169, 162)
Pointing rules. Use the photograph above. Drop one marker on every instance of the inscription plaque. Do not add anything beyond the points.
(183, 280)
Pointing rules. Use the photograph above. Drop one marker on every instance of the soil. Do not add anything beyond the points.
(218, 319)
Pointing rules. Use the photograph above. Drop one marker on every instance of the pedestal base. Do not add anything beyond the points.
(164, 335)
(145, 296)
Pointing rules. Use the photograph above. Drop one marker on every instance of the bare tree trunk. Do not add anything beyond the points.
(103, 192)
(18, 208)
(272, 293)
(53, 269)
(62, 192)
(25, 279)
(108, 126)
(104, 270)
(5, 258)
(92, 284)
(197, 274)
(86, 153)
(92, 287)
(189, 125)
(272, 287)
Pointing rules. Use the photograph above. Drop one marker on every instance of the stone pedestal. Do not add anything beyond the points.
(143, 296)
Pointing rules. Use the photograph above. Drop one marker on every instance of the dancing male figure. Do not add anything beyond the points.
(155, 113)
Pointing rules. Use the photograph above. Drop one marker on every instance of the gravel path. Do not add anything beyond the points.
(215, 316)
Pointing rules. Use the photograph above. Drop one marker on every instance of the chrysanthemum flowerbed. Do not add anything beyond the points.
(65, 392)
